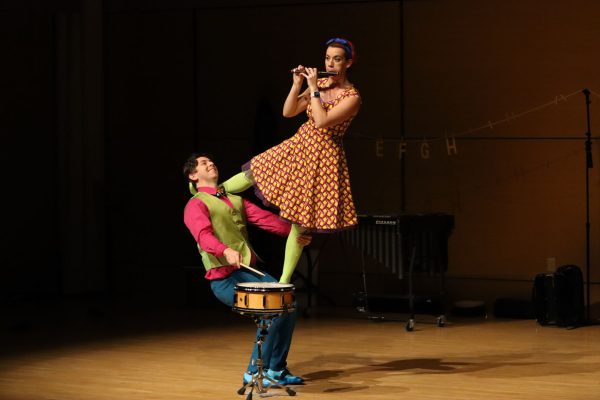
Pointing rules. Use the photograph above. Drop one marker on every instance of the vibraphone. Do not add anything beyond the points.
(405, 244)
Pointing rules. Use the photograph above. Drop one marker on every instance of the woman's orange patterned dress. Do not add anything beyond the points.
(306, 176)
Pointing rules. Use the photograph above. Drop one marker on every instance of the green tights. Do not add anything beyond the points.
(293, 249)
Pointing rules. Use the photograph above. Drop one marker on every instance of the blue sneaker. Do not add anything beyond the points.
(248, 377)
(285, 377)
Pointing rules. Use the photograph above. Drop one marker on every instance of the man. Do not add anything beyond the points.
(217, 221)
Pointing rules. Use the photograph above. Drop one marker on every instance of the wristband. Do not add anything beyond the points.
(315, 94)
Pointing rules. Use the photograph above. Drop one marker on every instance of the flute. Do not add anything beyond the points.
(319, 73)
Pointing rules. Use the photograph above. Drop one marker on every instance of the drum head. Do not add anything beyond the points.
(264, 286)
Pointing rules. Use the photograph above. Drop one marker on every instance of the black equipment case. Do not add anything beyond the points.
(558, 297)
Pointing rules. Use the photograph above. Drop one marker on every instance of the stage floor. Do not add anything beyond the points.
(201, 354)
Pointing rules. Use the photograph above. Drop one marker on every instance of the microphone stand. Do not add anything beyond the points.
(588, 164)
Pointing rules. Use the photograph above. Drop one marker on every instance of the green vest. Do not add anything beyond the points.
(229, 226)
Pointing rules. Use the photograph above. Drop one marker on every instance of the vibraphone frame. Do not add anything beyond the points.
(402, 243)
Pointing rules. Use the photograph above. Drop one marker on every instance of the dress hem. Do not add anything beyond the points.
(247, 168)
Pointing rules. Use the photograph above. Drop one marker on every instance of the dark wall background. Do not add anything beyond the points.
(30, 257)
(103, 100)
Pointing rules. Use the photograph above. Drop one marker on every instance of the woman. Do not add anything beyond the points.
(306, 176)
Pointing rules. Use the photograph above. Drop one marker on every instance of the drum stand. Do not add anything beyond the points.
(263, 323)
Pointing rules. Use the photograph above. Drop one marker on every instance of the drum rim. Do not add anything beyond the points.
(282, 310)
(263, 290)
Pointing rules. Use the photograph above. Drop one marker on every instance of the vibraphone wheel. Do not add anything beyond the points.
(441, 321)
(410, 325)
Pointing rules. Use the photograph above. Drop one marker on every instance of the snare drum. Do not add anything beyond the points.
(263, 298)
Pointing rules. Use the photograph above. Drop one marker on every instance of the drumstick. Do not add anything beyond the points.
(252, 269)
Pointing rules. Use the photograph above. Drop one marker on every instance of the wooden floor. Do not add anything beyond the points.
(201, 354)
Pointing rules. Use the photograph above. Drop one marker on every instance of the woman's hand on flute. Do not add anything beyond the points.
(297, 74)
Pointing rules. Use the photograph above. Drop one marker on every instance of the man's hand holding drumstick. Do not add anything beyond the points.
(234, 257)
